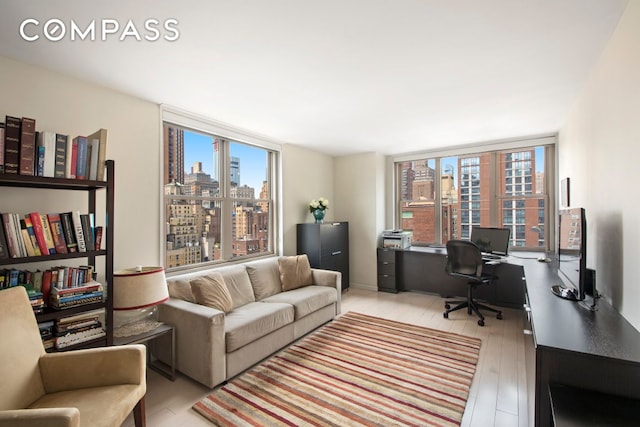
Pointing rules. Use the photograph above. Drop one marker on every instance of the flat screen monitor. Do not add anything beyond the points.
(491, 240)
(572, 250)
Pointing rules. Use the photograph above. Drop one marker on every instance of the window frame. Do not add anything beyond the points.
(493, 147)
(199, 124)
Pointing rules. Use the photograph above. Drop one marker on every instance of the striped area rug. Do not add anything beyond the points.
(355, 371)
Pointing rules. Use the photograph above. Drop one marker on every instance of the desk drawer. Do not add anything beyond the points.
(387, 283)
(386, 268)
(386, 255)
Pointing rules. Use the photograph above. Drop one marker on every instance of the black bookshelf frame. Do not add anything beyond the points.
(91, 187)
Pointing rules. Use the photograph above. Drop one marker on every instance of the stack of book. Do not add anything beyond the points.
(36, 299)
(87, 293)
(47, 335)
(77, 329)
(36, 234)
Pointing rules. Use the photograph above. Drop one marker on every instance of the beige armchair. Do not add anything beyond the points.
(92, 387)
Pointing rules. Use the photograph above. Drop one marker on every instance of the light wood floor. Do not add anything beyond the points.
(498, 395)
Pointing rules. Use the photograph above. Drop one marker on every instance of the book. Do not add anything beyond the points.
(77, 227)
(81, 162)
(48, 236)
(15, 221)
(39, 160)
(26, 239)
(10, 233)
(87, 230)
(75, 300)
(69, 231)
(98, 237)
(48, 141)
(12, 134)
(89, 287)
(79, 338)
(1, 147)
(72, 158)
(4, 245)
(39, 232)
(92, 163)
(101, 136)
(32, 235)
(27, 146)
(57, 233)
(60, 156)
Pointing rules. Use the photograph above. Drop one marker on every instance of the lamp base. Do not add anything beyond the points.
(136, 328)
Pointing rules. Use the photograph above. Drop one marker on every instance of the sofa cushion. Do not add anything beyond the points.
(239, 285)
(180, 289)
(254, 320)
(305, 300)
(211, 290)
(265, 278)
(295, 272)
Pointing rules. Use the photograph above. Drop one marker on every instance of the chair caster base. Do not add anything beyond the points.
(481, 322)
(499, 316)
(447, 306)
(445, 315)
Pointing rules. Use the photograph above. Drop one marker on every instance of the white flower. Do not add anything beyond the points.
(320, 203)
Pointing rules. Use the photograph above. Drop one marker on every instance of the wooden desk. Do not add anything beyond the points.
(572, 346)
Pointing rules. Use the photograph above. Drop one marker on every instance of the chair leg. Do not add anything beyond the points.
(139, 416)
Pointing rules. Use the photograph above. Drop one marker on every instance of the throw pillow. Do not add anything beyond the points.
(265, 278)
(210, 290)
(295, 272)
(180, 289)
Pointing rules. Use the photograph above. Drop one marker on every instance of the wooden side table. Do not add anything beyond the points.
(145, 337)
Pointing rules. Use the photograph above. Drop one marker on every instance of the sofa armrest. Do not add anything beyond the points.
(330, 278)
(94, 367)
(50, 417)
(200, 340)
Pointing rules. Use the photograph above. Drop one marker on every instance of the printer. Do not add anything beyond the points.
(396, 239)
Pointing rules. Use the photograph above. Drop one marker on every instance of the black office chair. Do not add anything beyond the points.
(464, 260)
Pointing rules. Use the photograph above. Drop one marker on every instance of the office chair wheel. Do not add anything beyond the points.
(446, 306)
(499, 316)
(481, 322)
(446, 315)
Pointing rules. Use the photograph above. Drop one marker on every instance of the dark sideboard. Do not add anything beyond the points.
(326, 245)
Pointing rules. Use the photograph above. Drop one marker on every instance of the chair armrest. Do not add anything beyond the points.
(93, 367)
(200, 340)
(50, 417)
(330, 278)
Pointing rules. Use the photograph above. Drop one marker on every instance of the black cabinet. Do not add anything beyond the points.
(387, 270)
(327, 246)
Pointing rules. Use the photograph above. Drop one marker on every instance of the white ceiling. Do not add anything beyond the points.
(339, 76)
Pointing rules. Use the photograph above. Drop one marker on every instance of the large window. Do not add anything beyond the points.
(440, 198)
(219, 198)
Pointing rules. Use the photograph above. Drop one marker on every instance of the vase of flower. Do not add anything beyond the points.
(318, 214)
(317, 208)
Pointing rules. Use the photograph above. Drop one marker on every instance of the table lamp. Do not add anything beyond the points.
(136, 293)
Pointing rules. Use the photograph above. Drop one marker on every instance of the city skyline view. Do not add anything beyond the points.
(198, 147)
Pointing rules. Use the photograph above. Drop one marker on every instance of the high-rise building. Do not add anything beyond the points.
(173, 154)
(235, 171)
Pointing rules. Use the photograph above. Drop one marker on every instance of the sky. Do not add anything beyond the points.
(253, 161)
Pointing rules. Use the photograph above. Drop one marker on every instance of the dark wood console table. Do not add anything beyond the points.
(572, 346)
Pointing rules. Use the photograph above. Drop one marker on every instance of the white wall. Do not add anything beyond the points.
(306, 175)
(360, 199)
(69, 106)
(599, 150)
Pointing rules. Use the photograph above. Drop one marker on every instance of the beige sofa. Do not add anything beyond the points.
(212, 346)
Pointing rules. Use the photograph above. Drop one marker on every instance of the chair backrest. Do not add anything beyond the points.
(20, 350)
(464, 258)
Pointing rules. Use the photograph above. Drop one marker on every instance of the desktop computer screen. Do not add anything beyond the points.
(491, 240)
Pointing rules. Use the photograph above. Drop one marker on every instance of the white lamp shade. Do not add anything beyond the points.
(140, 287)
